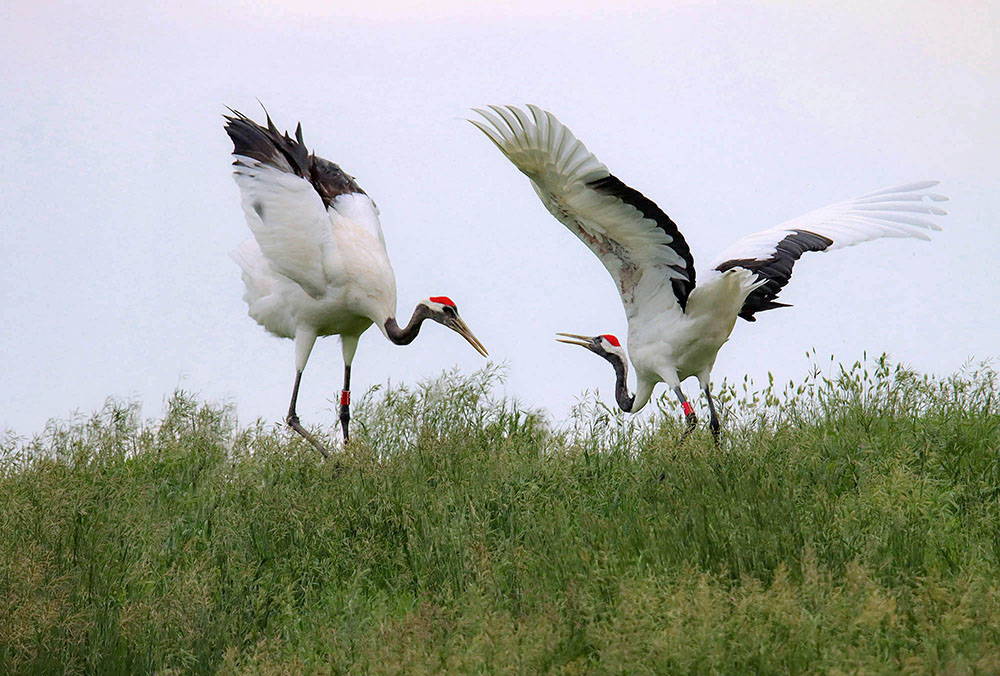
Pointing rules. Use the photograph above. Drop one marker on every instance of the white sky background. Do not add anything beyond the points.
(117, 208)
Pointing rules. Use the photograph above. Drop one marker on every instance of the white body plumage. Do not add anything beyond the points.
(672, 345)
(350, 280)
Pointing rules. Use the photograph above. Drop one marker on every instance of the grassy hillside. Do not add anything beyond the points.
(847, 525)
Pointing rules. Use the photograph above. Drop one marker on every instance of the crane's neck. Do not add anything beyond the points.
(630, 403)
(405, 335)
(624, 399)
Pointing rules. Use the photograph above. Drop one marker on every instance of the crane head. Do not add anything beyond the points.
(605, 345)
(444, 311)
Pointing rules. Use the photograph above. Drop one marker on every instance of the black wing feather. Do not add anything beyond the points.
(269, 146)
(776, 269)
(614, 187)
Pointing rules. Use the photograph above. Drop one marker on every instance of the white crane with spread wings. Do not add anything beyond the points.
(676, 328)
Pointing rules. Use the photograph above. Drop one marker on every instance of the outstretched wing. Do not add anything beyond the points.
(899, 211)
(286, 194)
(634, 239)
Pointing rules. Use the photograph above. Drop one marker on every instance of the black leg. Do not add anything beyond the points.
(345, 403)
(689, 416)
(713, 423)
(293, 419)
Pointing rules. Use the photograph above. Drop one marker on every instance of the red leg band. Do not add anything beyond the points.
(345, 397)
(688, 408)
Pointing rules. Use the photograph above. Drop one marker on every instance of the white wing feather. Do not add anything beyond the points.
(289, 222)
(560, 168)
(897, 211)
(262, 290)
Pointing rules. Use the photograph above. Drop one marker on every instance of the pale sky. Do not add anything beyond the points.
(117, 208)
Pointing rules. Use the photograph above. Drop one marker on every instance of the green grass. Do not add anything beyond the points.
(847, 525)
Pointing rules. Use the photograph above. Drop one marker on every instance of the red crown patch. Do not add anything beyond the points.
(444, 300)
(611, 339)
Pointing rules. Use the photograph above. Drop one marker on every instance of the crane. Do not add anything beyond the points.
(675, 327)
(317, 263)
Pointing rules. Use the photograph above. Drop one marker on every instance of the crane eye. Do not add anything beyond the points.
(450, 311)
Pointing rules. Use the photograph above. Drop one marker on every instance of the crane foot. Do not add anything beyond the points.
(692, 424)
(293, 422)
